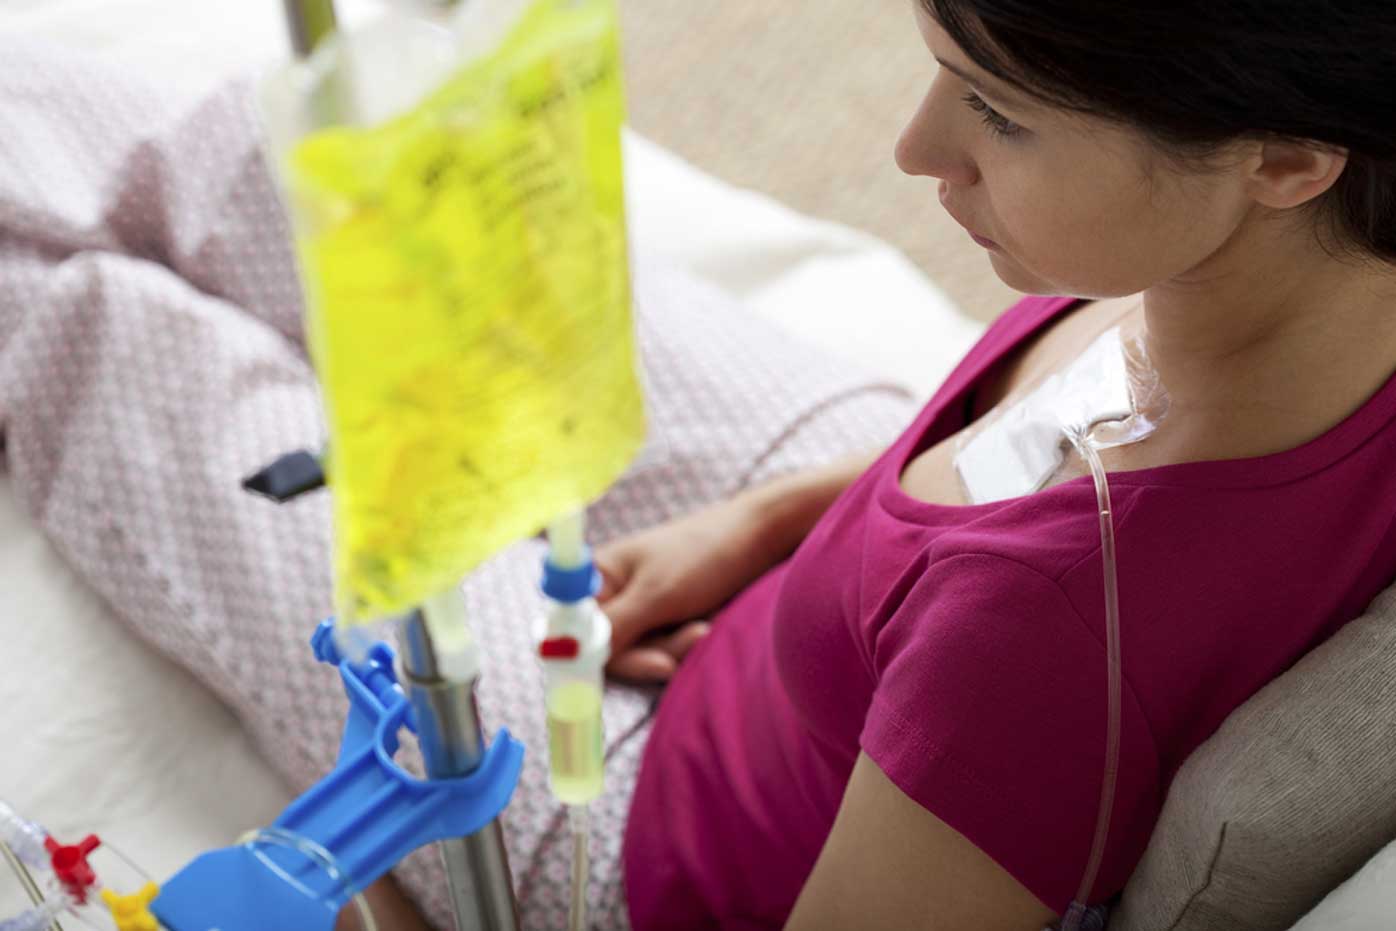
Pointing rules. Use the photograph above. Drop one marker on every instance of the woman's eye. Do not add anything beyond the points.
(999, 125)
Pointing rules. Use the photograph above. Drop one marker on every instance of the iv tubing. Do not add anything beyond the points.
(39, 918)
(23, 838)
(566, 540)
(31, 889)
(581, 868)
(1081, 440)
(567, 550)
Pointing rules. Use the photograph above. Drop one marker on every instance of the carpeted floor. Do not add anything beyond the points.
(803, 99)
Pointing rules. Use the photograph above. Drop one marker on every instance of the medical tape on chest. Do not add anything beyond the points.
(1110, 393)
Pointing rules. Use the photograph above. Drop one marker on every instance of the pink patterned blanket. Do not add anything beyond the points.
(151, 356)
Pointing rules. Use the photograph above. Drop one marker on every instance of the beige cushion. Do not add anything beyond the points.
(1291, 795)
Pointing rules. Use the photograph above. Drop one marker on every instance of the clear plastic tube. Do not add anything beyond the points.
(24, 838)
(1114, 679)
(130, 863)
(38, 918)
(278, 837)
(581, 867)
(567, 540)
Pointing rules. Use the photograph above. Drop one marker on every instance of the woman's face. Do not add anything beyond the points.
(1071, 204)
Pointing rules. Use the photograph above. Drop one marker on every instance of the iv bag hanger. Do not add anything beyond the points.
(309, 22)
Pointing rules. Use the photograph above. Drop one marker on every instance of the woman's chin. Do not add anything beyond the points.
(1016, 276)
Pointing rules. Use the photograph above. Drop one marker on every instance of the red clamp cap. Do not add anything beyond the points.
(71, 867)
(559, 648)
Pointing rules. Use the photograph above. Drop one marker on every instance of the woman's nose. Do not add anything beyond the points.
(929, 146)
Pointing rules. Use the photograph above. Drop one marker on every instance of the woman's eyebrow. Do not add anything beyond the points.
(988, 88)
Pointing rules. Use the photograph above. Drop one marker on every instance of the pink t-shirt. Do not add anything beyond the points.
(962, 648)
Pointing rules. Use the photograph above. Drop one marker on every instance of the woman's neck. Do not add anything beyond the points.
(1271, 341)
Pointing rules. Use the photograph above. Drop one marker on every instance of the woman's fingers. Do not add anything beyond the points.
(642, 664)
(620, 599)
(638, 600)
(613, 571)
(655, 659)
(631, 617)
(684, 639)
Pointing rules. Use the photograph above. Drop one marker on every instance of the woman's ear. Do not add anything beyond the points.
(1289, 173)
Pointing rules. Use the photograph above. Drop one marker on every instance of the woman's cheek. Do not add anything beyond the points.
(1039, 238)
(1049, 253)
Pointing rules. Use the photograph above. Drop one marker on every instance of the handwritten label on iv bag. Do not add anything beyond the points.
(469, 300)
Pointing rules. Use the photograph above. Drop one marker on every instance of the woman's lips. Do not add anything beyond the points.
(984, 241)
(981, 240)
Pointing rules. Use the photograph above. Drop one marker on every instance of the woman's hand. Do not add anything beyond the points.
(662, 584)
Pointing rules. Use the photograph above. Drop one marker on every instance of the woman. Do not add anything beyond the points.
(901, 724)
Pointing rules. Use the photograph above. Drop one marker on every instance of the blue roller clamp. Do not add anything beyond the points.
(359, 821)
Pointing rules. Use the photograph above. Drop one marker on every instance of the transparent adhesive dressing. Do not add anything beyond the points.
(1111, 393)
(1052, 431)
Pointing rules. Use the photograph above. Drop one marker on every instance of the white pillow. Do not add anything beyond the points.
(102, 735)
(1366, 902)
(848, 292)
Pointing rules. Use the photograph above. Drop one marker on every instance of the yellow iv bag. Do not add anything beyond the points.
(468, 290)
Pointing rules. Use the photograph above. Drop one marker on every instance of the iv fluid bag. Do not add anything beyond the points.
(468, 291)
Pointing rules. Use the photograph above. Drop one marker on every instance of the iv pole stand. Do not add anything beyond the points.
(452, 742)
(447, 714)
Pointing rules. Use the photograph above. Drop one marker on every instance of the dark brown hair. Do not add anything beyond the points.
(1195, 75)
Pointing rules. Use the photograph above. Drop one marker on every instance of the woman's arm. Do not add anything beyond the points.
(889, 863)
(664, 583)
(391, 910)
(787, 508)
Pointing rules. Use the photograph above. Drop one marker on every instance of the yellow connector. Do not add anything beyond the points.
(132, 912)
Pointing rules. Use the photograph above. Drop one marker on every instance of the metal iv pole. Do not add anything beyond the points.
(452, 742)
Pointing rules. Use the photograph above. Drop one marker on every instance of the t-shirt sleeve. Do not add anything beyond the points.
(990, 712)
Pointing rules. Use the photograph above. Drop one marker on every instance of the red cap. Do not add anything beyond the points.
(559, 648)
(70, 864)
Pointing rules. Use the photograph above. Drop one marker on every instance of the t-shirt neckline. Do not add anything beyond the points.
(1257, 471)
